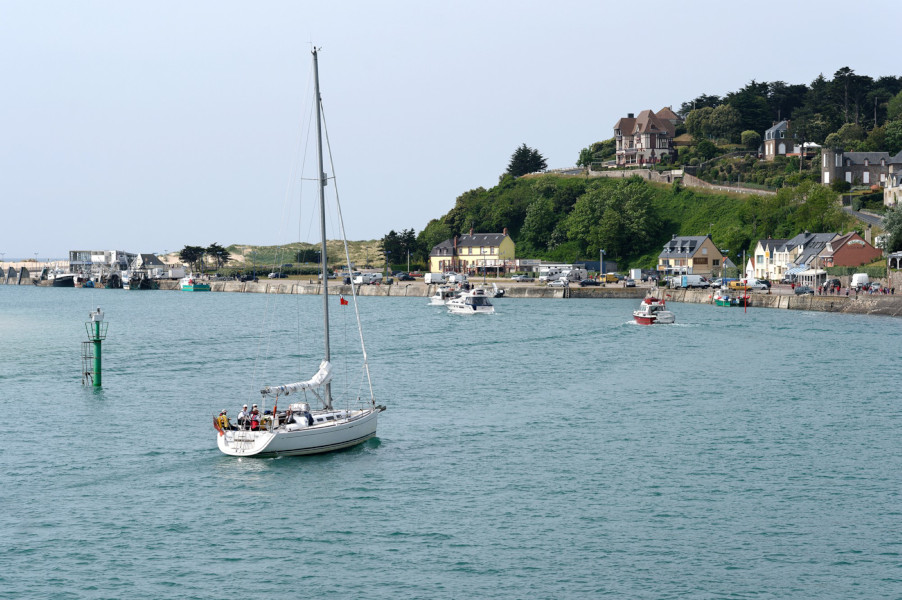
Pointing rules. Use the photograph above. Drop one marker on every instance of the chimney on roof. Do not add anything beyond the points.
(673, 237)
(504, 232)
(471, 231)
(629, 115)
(455, 244)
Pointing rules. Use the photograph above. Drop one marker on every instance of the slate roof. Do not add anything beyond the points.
(151, 260)
(683, 247)
(874, 158)
(446, 248)
(772, 244)
(769, 134)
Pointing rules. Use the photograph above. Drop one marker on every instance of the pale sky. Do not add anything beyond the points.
(147, 126)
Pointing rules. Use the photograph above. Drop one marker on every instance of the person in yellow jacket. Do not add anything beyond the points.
(224, 421)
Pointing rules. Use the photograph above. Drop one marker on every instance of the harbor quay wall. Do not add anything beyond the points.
(864, 304)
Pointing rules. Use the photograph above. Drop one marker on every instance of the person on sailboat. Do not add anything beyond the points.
(255, 418)
(242, 417)
(224, 421)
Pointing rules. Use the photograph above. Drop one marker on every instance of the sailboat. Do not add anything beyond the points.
(301, 429)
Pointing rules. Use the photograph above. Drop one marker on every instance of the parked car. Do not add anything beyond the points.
(558, 283)
(588, 282)
(415, 274)
(832, 283)
(277, 275)
(629, 282)
(404, 277)
(802, 290)
(522, 278)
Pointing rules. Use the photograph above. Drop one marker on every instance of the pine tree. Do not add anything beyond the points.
(526, 160)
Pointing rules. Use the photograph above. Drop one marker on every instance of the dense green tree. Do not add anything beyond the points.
(193, 256)
(526, 160)
(893, 136)
(435, 232)
(814, 207)
(619, 218)
(847, 137)
(751, 102)
(892, 223)
(219, 254)
(706, 149)
(539, 223)
(698, 122)
(750, 139)
(700, 102)
(784, 99)
(725, 122)
(894, 107)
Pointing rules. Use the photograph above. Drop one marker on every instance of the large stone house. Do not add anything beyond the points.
(645, 139)
(858, 168)
(472, 252)
(693, 254)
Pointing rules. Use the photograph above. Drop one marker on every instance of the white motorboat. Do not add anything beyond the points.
(442, 295)
(653, 311)
(471, 303)
(300, 430)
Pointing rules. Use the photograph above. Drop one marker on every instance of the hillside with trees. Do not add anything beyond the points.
(567, 219)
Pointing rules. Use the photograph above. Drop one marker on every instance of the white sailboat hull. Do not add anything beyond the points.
(316, 439)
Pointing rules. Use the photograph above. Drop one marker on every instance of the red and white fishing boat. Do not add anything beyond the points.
(653, 310)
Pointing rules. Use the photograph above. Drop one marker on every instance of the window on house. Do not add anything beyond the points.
(866, 177)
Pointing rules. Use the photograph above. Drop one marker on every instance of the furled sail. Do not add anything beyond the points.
(322, 377)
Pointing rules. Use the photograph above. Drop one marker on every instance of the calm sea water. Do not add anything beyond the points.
(553, 450)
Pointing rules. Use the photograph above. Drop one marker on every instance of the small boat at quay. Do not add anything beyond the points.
(474, 302)
(59, 278)
(190, 283)
(653, 311)
(725, 299)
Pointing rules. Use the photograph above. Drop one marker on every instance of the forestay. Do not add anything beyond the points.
(322, 377)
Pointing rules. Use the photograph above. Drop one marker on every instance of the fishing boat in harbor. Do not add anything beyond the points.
(653, 311)
(300, 429)
(726, 299)
(191, 283)
(60, 278)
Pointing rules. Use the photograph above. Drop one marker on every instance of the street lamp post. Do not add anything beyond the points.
(601, 262)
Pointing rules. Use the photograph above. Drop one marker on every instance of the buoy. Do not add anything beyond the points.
(92, 351)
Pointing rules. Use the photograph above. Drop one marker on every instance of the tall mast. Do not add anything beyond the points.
(327, 398)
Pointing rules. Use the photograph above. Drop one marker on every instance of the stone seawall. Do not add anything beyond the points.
(864, 304)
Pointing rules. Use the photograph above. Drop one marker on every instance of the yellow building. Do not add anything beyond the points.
(471, 252)
(693, 254)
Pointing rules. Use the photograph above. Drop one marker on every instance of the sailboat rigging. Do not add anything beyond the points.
(301, 430)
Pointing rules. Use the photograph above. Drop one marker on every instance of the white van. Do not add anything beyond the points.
(368, 278)
(859, 280)
(456, 278)
(690, 281)
(434, 278)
